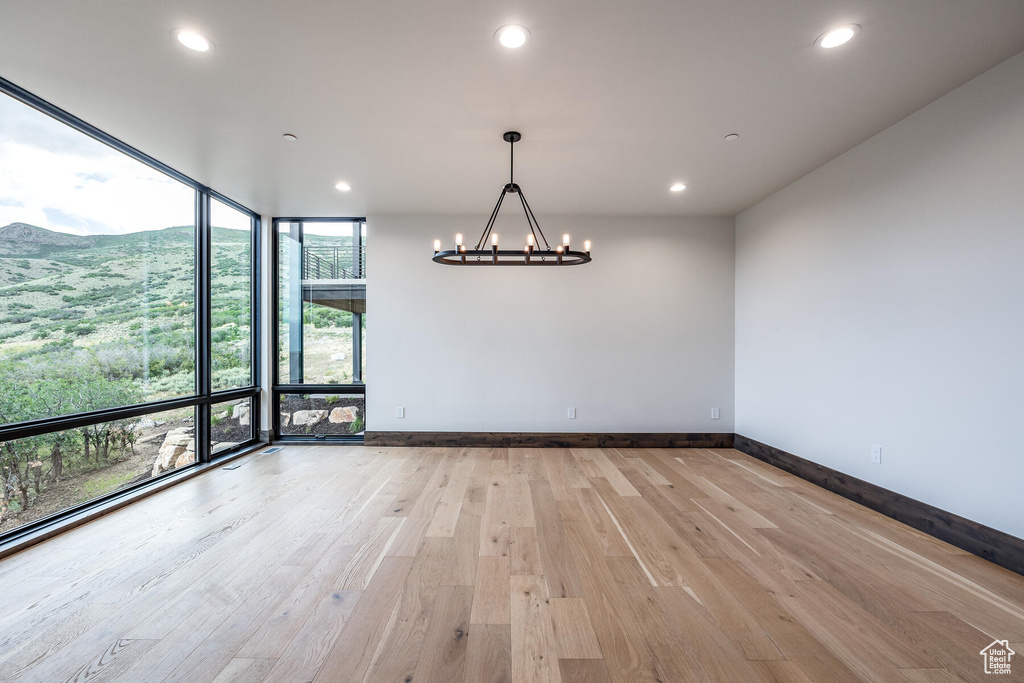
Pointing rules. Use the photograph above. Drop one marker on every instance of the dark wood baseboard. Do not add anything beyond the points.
(991, 544)
(549, 440)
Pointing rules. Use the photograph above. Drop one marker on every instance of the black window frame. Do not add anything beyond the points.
(278, 389)
(203, 396)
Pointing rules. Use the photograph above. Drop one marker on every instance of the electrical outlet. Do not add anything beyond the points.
(572, 414)
(714, 413)
(400, 411)
(876, 454)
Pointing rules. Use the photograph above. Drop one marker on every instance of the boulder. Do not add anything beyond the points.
(308, 417)
(241, 413)
(286, 419)
(178, 448)
(344, 415)
(188, 457)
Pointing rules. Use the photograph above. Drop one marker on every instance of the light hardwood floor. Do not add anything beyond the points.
(414, 564)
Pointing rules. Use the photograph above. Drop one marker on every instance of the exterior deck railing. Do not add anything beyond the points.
(334, 263)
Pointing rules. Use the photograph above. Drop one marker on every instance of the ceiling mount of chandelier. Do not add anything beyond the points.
(535, 252)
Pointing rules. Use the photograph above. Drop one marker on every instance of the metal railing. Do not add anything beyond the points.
(334, 263)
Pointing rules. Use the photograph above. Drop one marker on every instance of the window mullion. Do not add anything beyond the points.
(203, 328)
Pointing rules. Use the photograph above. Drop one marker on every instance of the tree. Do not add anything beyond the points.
(66, 384)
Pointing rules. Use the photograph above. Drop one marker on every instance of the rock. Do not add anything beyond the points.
(308, 417)
(241, 413)
(222, 415)
(286, 419)
(337, 356)
(188, 457)
(146, 423)
(344, 415)
(178, 448)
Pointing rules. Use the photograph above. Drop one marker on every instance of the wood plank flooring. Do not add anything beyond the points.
(335, 564)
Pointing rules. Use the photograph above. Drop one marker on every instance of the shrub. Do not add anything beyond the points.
(80, 329)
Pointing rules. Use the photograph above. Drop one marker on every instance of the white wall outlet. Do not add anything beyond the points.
(876, 454)
(714, 414)
(400, 411)
(572, 414)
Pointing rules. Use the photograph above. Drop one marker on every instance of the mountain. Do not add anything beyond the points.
(19, 238)
(25, 240)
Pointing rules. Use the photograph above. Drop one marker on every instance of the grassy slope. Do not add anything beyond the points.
(114, 292)
(100, 289)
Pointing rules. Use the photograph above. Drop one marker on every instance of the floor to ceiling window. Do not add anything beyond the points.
(320, 327)
(126, 317)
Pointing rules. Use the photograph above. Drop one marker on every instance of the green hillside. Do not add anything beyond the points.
(120, 305)
(94, 322)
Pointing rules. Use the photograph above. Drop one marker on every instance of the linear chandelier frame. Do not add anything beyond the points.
(531, 255)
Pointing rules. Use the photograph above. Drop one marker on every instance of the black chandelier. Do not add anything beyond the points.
(532, 253)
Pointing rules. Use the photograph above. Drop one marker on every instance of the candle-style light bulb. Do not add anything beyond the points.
(458, 239)
(529, 239)
(565, 240)
(437, 246)
(586, 246)
(559, 249)
(494, 239)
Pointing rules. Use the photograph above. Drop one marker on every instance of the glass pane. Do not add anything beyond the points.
(230, 424)
(49, 473)
(322, 414)
(321, 302)
(289, 299)
(97, 263)
(231, 296)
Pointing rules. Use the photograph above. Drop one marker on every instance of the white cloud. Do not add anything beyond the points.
(68, 182)
(224, 216)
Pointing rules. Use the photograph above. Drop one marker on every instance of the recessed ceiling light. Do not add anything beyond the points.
(732, 136)
(678, 187)
(289, 137)
(512, 35)
(837, 36)
(343, 186)
(192, 40)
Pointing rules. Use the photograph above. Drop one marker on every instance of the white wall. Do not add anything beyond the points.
(641, 339)
(880, 300)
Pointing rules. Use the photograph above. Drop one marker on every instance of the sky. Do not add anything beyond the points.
(57, 178)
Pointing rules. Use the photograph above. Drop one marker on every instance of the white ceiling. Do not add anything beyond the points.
(407, 101)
